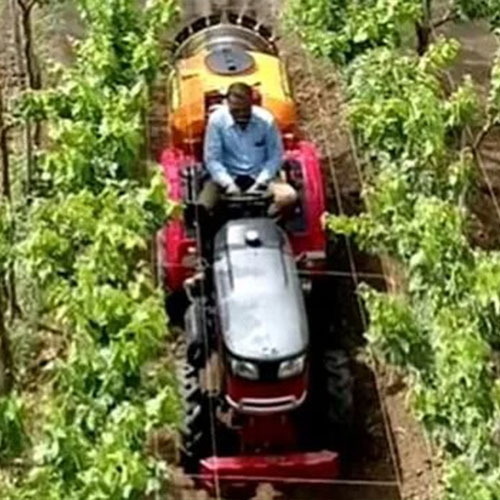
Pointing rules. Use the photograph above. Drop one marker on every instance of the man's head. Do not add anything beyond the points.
(239, 99)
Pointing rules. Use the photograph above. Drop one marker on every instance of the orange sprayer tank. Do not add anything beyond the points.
(207, 62)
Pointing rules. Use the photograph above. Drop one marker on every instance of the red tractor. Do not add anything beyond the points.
(266, 393)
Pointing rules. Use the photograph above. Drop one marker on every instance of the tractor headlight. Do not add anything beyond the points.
(292, 367)
(245, 369)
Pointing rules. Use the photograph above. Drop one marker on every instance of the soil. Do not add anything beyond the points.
(317, 92)
(389, 459)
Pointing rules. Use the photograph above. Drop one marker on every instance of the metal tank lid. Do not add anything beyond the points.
(229, 61)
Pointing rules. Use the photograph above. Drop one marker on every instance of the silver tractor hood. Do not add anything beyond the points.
(259, 297)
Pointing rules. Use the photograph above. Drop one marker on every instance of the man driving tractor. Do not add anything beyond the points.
(243, 152)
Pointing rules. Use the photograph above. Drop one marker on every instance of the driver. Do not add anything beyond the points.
(243, 151)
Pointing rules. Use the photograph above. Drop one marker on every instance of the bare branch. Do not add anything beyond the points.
(30, 5)
(50, 329)
(25, 6)
(488, 127)
(19, 463)
(6, 359)
(450, 15)
(4, 152)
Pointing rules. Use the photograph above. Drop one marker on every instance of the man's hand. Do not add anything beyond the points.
(257, 187)
(232, 189)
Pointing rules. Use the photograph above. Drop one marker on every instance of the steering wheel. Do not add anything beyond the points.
(245, 197)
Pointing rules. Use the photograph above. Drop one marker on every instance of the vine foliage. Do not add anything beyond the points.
(95, 207)
(441, 327)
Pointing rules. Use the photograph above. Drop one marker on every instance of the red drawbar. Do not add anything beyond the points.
(293, 467)
(270, 432)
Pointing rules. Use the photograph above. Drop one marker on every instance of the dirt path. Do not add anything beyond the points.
(373, 470)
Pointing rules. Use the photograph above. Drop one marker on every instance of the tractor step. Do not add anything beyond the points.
(237, 472)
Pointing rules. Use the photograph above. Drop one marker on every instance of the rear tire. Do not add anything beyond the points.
(196, 425)
(176, 304)
(339, 401)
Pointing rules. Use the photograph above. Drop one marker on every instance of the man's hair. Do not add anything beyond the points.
(240, 90)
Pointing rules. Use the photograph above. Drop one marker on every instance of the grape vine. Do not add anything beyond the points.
(442, 328)
(95, 207)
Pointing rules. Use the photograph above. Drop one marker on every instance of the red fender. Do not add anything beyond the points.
(176, 250)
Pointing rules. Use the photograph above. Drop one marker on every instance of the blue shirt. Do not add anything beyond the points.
(230, 151)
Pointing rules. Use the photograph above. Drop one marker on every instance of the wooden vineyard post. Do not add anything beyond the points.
(32, 130)
(6, 376)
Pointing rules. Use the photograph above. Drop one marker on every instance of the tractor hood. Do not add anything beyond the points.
(259, 298)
